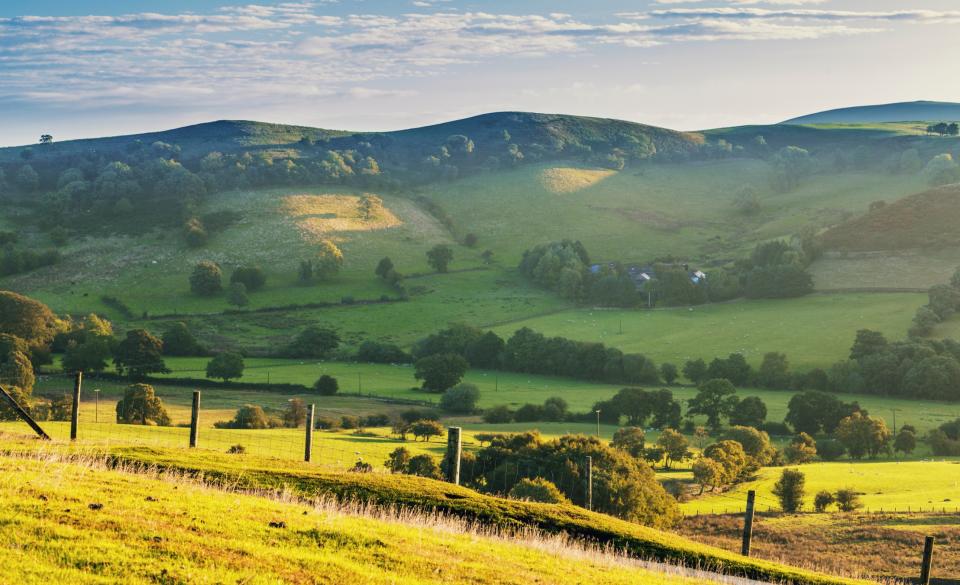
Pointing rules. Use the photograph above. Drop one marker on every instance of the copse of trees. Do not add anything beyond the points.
(623, 485)
(777, 270)
(639, 407)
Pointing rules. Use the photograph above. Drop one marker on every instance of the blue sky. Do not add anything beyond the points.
(91, 68)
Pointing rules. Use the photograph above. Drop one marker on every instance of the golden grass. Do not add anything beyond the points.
(565, 180)
(78, 519)
(325, 216)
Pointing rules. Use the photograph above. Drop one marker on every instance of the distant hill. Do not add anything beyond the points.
(898, 112)
(922, 220)
(537, 136)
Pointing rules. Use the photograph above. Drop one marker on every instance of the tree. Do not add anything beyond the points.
(441, 371)
(669, 373)
(237, 295)
(863, 435)
(226, 365)
(707, 472)
(439, 257)
(755, 443)
(328, 262)
(139, 354)
(749, 412)
(813, 411)
(867, 343)
(384, 267)
(470, 240)
(314, 342)
(774, 371)
(695, 371)
(537, 490)
(631, 440)
(733, 368)
(731, 457)
(715, 400)
(326, 385)
(46, 139)
(179, 341)
(905, 441)
(16, 373)
(748, 201)
(789, 489)
(822, 501)
(848, 500)
(936, 377)
(424, 466)
(252, 277)
(461, 399)
(295, 414)
(140, 405)
(28, 319)
(802, 449)
(426, 429)
(487, 256)
(498, 414)
(27, 179)
(675, 446)
(88, 355)
(398, 460)
(791, 164)
(205, 280)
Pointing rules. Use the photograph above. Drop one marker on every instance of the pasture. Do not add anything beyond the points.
(814, 331)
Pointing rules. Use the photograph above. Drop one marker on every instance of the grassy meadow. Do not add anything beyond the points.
(814, 331)
(83, 523)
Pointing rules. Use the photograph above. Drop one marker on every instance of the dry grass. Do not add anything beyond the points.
(325, 216)
(182, 502)
(565, 180)
(880, 546)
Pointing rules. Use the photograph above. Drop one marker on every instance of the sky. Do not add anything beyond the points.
(78, 68)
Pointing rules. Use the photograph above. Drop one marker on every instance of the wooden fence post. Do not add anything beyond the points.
(194, 418)
(927, 561)
(308, 442)
(589, 482)
(75, 414)
(24, 414)
(454, 450)
(748, 524)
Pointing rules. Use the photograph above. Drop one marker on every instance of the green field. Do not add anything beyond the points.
(883, 485)
(814, 331)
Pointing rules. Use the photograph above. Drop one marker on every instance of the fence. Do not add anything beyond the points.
(86, 424)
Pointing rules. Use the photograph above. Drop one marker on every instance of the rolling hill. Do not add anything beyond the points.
(897, 112)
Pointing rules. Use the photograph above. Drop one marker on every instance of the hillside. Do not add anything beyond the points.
(896, 112)
(302, 541)
(926, 219)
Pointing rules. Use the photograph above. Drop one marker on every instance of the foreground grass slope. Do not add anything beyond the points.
(379, 489)
(83, 523)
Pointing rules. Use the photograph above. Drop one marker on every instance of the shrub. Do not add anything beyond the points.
(140, 405)
(632, 440)
(537, 490)
(822, 501)
(237, 450)
(529, 413)
(326, 423)
(498, 414)
(314, 342)
(789, 490)
(802, 449)
(398, 460)
(426, 429)
(295, 413)
(179, 341)
(381, 353)
(326, 385)
(252, 277)
(848, 500)
(461, 399)
(424, 466)
(248, 416)
(349, 422)
(361, 467)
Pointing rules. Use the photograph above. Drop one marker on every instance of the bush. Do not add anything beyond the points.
(424, 466)
(179, 341)
(381, 353)
(426, 429)
(349, 422)
(776, 429)
(295, 413)
(326, 385)
(529, 413)
(848, 500)
(789, 490)
(537, 490)
(314, 342)
(140, 405)
(237, 450)
(252, 277)
(802, 449)
(822, 501)
(461, 399)
(248, 416)
(326, 423)
(498, 415)
(398, 460)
